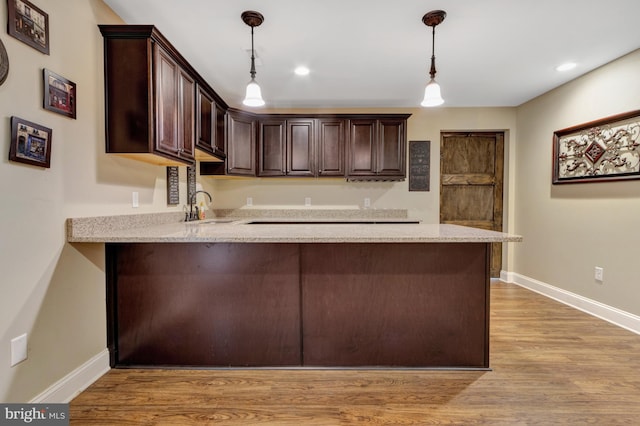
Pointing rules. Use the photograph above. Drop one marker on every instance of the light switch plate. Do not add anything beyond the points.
(18, 349)
(599, 274)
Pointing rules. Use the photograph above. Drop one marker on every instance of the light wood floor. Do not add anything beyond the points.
(551, 365)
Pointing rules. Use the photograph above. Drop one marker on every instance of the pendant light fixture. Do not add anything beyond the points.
(432, 96)
(253, 96)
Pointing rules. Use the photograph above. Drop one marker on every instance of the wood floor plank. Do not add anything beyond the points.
(551, 365)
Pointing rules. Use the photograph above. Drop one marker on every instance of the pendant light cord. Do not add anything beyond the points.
(432, 71)
(253, 59)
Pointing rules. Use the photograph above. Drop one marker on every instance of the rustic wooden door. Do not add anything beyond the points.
(471, 182)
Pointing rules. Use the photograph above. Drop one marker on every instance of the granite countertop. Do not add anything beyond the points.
(236, 227)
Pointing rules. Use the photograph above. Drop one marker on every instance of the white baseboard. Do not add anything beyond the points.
(613, 315)
(67, 388)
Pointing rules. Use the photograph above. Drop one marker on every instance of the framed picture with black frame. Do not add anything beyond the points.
(30, 143)
(29, 24)
(59, 94)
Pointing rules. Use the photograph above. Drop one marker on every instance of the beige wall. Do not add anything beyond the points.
(569, 229)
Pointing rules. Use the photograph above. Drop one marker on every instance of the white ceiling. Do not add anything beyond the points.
(376, 53)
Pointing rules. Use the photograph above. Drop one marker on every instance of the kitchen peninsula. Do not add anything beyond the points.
(353, 291)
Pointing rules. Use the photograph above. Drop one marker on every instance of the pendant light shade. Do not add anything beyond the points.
(253, 96)
(432, 95)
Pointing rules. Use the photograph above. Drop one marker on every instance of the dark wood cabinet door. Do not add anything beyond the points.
(300, 147)
(175, 107)
(241, 144)
(166, 79)
(205, 120)
(209, 125)
(362, 151)
(391, 159)
(186, 115)
(218, 139)
(330, 147)
(272, 148)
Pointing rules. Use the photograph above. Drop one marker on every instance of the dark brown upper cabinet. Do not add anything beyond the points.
(150, 97)
(376, 148)
(286, 147)
(355, 146)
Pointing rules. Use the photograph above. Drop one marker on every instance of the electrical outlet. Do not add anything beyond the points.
(599, 274)
(135, 202)
(367, 203)
(18, 349)
(307, 201)
(249, 201)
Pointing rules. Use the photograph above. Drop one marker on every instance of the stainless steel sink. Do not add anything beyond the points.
(212, 221)
(332, 222)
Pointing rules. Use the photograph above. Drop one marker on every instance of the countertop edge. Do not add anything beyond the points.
(167, 228)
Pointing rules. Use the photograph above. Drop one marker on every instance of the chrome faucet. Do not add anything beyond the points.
(194, 213)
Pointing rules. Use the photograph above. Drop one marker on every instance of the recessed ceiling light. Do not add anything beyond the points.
(301, 70)
(566, 66)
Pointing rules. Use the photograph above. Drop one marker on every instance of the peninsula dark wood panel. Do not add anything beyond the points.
(205, 304)
(289, 304)
(403, 305)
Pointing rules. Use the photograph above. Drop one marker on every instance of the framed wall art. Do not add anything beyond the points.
(59, 94)
(602, 150)
(29, 24)
(30, 143)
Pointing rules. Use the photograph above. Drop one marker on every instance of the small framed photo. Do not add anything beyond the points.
(29, 24)
(30, 143)
(59, 94)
